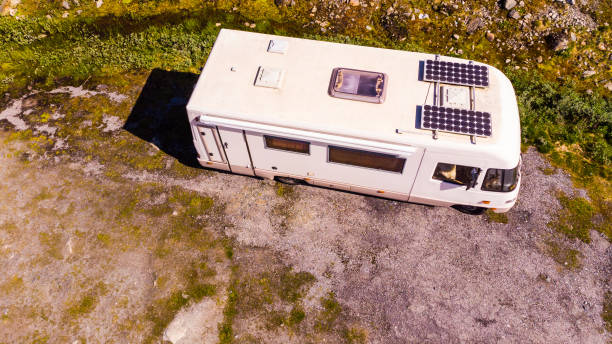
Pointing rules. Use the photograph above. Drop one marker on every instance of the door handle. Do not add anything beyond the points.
(226, 145)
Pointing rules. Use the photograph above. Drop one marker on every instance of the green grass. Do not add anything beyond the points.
(292, 285)
(87, 302)
(496, 217)
(331, 310)
(355, 335)
(283, 190)
(565, 256)
(575, 220)
(226, 332)
(606, 313)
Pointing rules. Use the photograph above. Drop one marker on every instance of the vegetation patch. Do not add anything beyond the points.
(355, 335)
(565, 256)
(226, 332)
(331, 310)
(166, 309)
(14, 283)
(606, 313)
(87, 302)
(496, 217)
(53, 243)
(575, 220)
(284, 190)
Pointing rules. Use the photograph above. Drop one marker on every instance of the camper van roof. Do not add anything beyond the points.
(287, 82)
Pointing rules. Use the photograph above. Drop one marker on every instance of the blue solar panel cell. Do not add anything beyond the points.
(460, 121)
(456, 73)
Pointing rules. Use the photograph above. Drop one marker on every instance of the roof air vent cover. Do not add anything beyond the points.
(358, 85)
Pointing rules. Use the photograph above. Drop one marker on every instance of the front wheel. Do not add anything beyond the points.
(469, 209)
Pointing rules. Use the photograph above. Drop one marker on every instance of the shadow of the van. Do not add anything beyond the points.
(159, 115)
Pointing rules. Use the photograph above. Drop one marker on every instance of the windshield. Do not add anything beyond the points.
(501, 180)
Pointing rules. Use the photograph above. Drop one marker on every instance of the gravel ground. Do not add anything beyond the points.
(413, 273)
(403, 272)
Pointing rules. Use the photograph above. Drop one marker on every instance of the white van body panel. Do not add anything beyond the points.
(315, 166)
(226, 98)
(236, 150)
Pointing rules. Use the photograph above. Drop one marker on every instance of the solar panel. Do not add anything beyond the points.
(456, 73)
(459, 121)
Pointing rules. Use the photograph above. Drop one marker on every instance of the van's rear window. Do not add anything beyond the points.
(287, 144)
(361, 158)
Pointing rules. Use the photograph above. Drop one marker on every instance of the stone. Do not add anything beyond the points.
(608, 86)
(65, 5)
(354, 2)
(602, 46)
(423, 15)
(196, 324)
(514, 15)
(65, 15)
(509, 4)
(473, 25)
(456, 36)
(460, 51)
(539, 59)
(490, 36)
(99, 3)
(390, 11)
(588, 73)
(573, 36)
(368, 27)
(217, 24)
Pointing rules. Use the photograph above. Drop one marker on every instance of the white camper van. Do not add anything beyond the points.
(402, 125)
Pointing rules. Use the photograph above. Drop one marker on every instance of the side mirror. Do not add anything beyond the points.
(474, 173)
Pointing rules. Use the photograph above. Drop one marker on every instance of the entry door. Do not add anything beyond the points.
(236, 150)
(211, 144)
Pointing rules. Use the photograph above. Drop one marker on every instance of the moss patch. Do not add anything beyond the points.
(13, 284)
(330, 313)
(606, 313)
(575, 220)
(565, 256)
(53, 244)
(496, 217)
(162, 313)
(355, 335)
(87, 302)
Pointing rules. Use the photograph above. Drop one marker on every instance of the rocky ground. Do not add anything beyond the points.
(100, 248)
(111, 232)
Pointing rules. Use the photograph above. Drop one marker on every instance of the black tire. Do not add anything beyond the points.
(288, 180)
(469, 209)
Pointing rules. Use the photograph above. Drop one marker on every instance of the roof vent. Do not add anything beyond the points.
(278, 46)
(358, 85)
(269, 77)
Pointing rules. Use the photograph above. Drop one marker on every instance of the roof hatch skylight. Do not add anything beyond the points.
(358, 85)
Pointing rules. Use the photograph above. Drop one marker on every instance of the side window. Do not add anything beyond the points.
(361, 158)
(287, 144)
(456, 174)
